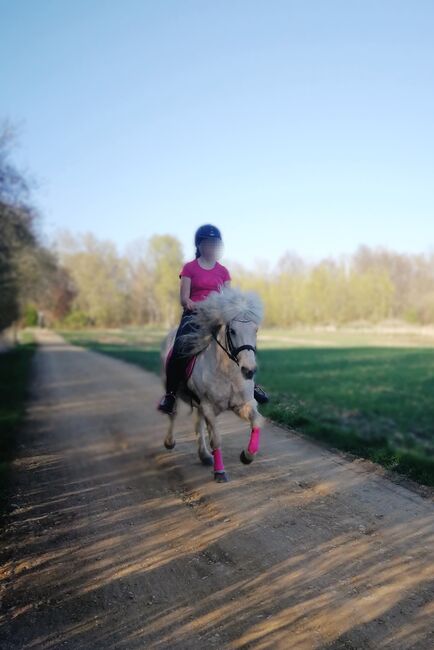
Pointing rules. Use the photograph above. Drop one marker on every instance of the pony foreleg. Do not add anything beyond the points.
(215, 440)
(169, 440)
(249, 412)
(204, 455)
(247, 455)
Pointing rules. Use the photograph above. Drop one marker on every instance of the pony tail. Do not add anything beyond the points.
(197, 252)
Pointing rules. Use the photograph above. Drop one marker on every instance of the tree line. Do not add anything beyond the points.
(30, 273)
(80, 280)
(141, 286)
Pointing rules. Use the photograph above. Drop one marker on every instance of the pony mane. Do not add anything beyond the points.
(219, 308)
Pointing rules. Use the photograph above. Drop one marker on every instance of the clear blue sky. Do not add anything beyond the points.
(304, 126)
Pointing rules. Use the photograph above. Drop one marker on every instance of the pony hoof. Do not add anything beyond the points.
(168, 446)
(245, 459)
(220, 477)
(206, 460)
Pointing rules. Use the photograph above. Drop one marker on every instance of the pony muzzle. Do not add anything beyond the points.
(247, 363)
(248, 373)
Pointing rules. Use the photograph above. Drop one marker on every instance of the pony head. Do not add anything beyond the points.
(240, 311)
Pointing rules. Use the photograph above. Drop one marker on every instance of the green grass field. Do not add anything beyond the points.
(365, 392)
(14, 378)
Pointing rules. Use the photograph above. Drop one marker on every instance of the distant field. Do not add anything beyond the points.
(369, 392)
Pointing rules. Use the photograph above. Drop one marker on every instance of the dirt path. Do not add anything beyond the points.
(115, 542)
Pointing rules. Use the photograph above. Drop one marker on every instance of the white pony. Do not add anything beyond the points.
(224, 340)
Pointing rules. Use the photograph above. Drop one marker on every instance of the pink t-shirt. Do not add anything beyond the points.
(203, 281)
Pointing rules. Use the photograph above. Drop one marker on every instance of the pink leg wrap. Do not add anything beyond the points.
(218, 460)
(253, 447)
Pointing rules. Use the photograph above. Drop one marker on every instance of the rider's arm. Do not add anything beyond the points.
(184, 292)
(227, 283)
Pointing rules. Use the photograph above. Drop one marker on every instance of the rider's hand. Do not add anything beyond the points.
(189, 305)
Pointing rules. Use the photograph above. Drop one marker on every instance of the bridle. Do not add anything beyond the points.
(230, 348)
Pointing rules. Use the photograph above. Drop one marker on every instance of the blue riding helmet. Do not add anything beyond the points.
(206, 232)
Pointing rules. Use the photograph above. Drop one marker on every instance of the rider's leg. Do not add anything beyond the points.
(176, 367)
(175, 371)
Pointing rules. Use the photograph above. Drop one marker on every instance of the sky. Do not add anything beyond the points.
(304, 126)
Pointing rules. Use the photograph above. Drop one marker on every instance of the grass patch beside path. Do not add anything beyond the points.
(141, 346)
(373, 402)
(367, 393)
(15, 367)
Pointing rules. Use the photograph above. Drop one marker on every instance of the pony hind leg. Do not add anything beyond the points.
(169, 440)
(202, 450)
(215, 440)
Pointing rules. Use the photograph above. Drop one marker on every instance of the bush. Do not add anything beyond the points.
(77, 320)
(30, 317)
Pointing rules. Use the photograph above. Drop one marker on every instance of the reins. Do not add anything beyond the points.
(231, 350)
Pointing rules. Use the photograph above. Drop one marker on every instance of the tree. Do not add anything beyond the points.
(99, 276)
(18, 241)
(164, 260)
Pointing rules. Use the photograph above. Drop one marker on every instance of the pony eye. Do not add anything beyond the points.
(232, 331)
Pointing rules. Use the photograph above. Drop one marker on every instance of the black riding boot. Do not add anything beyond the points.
(260, 395)
(175, 373)
(167, 404)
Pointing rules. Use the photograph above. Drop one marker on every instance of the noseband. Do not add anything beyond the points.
(230, 348)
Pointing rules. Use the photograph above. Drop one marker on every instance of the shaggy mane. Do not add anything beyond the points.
(219, 308)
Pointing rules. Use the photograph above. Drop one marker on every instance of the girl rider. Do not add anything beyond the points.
(198, 278)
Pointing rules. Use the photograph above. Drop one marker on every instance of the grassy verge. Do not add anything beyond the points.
(368, 394)
(373, 402)
(14, 378)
